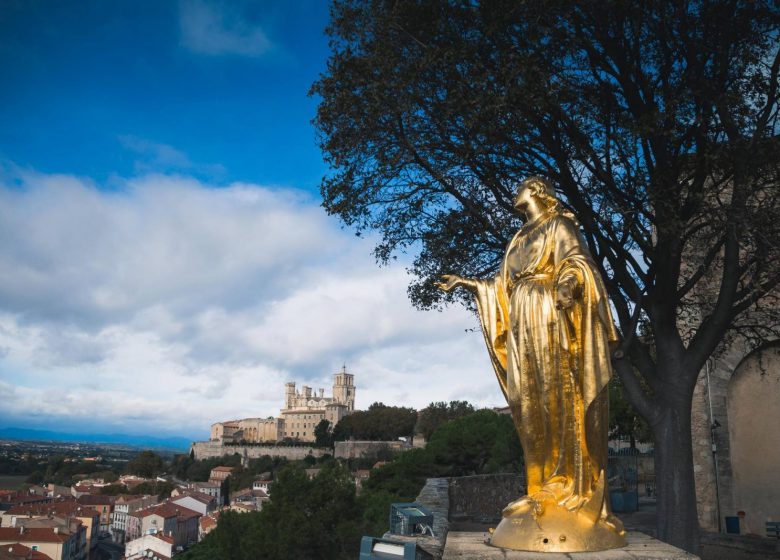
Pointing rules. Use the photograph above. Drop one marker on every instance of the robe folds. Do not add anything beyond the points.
(553, 364)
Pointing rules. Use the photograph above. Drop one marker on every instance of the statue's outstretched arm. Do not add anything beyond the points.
(451, 281)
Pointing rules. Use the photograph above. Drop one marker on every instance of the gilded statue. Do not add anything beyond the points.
(548, 328)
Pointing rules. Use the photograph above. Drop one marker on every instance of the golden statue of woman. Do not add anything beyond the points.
(548, 329)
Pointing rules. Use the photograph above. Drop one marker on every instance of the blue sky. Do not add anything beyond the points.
(164, 259)
(91, 88)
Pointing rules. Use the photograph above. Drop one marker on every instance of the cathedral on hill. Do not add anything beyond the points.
(302, 411)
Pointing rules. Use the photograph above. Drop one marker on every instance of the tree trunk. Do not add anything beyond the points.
(678, 522)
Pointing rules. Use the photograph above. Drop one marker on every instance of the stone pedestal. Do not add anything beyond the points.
(472, 546)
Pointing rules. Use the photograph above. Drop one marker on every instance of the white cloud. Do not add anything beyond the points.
(167, 304)
(216, 28)
(155, 157)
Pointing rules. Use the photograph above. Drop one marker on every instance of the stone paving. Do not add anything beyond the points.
(472, 546)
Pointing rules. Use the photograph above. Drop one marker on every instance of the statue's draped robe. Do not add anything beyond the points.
(553, 365)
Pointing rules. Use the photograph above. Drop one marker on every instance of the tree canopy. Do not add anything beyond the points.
(318, 519)
(657, 121)
(438, 413)
(323, 434)
(379, 423)
(147, 464)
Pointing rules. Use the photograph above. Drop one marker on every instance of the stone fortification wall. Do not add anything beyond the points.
(481, 498)
(703, 458)
(754, 419)
(434, 496)
(360, 449)
(209, 449)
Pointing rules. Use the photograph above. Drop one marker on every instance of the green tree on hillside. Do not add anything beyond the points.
(439, 413)
(318, 519)
(157, 488)
(482, 442)
(379, 423)
(114, 490)
(146, 464)
(323, 434)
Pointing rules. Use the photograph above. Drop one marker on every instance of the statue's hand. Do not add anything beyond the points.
(451, 281)
(564, 295)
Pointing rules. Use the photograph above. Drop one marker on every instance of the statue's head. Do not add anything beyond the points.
(534, 190)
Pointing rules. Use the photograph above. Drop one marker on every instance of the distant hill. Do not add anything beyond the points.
(173, 443)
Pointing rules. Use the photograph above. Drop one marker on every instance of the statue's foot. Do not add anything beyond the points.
(573, 502)
(519, 507)
(614, 523)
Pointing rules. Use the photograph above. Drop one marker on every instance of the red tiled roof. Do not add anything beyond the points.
(95, 500)
(222, 469)
(186, 513)
(166, 510)
(17, 551)
(28, 499)
(207, 522)
(64, 524)
(125, 498)
(31, 534)
(14, 552)
(66, 506)
(199, 496)
(164, 537)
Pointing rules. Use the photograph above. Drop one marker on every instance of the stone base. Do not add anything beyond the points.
(557, 530)
(473, 546)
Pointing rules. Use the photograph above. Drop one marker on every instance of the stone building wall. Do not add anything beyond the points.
(258, 430)
(210, 449)
(481, 497)
(707, 493)
(360, 449)
(754, 429)
(744, 479)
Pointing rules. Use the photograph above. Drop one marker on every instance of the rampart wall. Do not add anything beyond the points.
(360, 449)
(209, 449)
(480, 498)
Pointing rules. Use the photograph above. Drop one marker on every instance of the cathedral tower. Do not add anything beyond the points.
(344, 388)
(289, 394)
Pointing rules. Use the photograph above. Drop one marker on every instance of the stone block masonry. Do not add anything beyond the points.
(472, 546)
(480, 498)
(210, 449)
(434, 496)
(360, 449)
